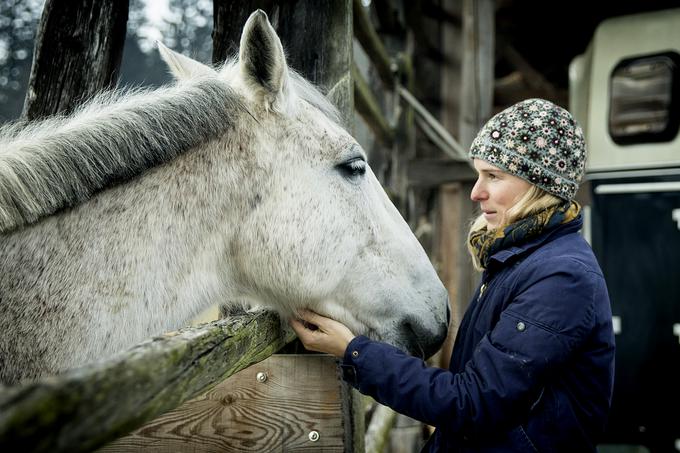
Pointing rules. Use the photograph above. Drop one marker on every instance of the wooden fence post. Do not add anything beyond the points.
(78, 50)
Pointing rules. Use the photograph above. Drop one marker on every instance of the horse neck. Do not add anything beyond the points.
(202, 196)
(177, 223)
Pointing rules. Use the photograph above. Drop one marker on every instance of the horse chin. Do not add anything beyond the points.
(418, 341)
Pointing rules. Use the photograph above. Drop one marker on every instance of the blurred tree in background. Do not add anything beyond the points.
(182, 25)
(18, 24)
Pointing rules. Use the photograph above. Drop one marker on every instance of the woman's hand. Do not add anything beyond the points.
(318, 333)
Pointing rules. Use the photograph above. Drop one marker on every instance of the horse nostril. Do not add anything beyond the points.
(423, 341)
(410, 336)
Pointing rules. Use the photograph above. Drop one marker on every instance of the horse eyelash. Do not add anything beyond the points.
(354, 167)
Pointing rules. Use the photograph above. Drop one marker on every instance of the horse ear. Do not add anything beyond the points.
(261, 57)
(183, 67)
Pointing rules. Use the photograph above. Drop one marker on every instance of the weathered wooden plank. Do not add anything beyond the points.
(370, 41)
(300, 394)
(477, 68)
(319, 36)
(90, 406)
(455, 263)
(78, 50)
(367, 106)
(228, 20)
(435, 172)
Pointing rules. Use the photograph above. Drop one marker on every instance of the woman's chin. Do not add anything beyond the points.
(491, 219)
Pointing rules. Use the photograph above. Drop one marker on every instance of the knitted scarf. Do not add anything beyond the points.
(487, 242)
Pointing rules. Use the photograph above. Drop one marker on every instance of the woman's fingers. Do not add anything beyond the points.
(312, 317)
(322, 334)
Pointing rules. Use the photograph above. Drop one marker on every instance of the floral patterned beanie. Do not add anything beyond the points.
(538, 141)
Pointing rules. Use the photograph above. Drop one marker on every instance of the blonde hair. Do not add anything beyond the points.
(535, 200)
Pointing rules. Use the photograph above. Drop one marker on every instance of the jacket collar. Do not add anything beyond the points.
(501, 257)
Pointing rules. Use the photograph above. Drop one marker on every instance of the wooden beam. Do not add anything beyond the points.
(367, 106)
(455, 264)
(534, 79)
(78, 51)
(435, 172)
(478, 67)
(228, 20)
(514, 88)
(372, 44)
(388, 16)
(87, 407)
(476, 107)
(319, 39)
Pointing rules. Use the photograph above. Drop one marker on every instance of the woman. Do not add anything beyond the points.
(533, 362)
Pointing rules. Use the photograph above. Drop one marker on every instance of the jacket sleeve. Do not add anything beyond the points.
(546, 320)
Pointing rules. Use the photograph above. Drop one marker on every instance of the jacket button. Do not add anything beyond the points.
(521, 326)
(355, 354)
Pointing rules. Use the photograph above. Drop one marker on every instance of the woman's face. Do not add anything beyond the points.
(496, 191)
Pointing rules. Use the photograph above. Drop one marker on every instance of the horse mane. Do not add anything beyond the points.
(63, 160)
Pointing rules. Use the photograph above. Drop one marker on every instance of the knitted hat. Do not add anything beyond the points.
(538, 141)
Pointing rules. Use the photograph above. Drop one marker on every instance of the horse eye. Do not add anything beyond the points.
(353, 168)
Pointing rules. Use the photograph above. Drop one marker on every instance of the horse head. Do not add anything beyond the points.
(318, 231)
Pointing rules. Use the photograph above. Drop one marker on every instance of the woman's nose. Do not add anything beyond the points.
(478, 193)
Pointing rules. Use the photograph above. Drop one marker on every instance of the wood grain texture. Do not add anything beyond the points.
(241, 414)
(432, 173)
(372, 44)
(78, 50)
(367, 106)
(87, 407)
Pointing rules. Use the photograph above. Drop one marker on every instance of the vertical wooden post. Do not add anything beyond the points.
(477, 67)
(476, 107)
(316, 35)
(319, 36)
(455, 266)
(228, 20)
(469, 85)
(78, 50)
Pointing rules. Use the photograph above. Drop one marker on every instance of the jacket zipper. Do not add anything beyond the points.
(481, 290)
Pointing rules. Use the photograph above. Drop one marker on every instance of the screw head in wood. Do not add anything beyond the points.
(261, 377)
(314, 436)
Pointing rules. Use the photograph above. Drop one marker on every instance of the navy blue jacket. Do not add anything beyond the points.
(533, 363)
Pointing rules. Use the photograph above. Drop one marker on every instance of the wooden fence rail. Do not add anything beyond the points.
(87, 407)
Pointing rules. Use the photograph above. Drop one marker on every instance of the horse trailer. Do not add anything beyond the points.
(625, 92)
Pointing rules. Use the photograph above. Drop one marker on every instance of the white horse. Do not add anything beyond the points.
(142, 209)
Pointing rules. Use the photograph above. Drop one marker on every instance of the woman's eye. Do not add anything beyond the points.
(353, 168)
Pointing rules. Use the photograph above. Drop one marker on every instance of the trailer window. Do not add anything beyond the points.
(644, 99)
